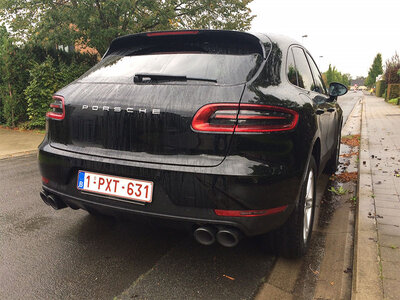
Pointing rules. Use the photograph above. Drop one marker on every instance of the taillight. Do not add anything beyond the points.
(58, 107)
(229, 117)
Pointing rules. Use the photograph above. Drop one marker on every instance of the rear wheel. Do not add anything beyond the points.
(333, 162)
(293, 238)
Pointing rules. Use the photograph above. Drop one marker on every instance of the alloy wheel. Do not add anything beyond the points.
(308, 205)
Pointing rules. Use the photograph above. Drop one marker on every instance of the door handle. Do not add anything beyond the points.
(331, 109)
(319, 111)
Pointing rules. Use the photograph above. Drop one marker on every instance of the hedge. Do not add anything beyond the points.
(380, 88)
(31, 74)
(393, 91)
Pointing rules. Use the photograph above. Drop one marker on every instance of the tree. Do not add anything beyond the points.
(329, 75)
(333, 75)
(392, 69)
(97, 22)
(375, 70)
(346, 79)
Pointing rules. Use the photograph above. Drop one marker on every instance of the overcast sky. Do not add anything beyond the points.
(348, 34)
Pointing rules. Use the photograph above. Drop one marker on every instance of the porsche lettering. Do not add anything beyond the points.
(154, 111)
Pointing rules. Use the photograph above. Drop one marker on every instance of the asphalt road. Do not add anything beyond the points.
(348, 101)
(66, 254)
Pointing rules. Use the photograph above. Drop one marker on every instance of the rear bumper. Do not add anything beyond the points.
(189, 194)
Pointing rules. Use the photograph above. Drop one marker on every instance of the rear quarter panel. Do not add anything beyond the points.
(281, 156)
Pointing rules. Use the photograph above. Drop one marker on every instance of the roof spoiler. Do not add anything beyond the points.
(207, 41)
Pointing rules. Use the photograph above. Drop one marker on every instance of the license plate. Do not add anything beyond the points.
(127, 188)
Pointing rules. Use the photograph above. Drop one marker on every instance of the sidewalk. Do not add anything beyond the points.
(376, 273)
(14, 142)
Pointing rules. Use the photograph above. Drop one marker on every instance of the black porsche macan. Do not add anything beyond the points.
(225, 131)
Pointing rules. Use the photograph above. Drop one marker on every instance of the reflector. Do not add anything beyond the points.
(249, 213)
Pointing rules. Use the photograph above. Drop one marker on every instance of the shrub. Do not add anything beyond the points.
(25, 84)
(44, 82)
(380, 87)
(45, 79)
(15, 76)
(394, 91)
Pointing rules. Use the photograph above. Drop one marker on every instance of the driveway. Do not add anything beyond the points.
(15, 142)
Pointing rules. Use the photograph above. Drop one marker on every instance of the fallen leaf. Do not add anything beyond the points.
(348, 270)
(229, 277)
(351, 140)
(349, 154)
(346, 176)
(315, 272)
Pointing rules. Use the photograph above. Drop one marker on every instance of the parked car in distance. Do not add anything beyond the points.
(224, 131)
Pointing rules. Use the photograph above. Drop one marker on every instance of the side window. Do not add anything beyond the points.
(319, 82)
(304, 77)
(291, 68)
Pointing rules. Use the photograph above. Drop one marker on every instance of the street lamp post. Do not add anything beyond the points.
(320, 61)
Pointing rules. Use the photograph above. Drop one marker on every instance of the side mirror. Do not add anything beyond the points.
(337, 89)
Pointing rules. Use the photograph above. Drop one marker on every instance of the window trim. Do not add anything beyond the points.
(286, 67)
(312, 73)
(294, 58)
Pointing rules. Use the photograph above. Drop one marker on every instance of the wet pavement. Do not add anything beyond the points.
(378, 236)
(66, 254)
(348, 101)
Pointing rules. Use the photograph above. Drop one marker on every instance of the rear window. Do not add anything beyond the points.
(225, 69)
(227, 57)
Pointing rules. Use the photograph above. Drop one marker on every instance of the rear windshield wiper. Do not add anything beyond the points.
(144, 77)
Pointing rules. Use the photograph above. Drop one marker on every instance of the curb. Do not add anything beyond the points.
(335, 277)
(366, 282)
(18, 154)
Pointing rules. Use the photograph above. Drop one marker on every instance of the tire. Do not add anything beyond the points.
(293, 238)
(333, 162)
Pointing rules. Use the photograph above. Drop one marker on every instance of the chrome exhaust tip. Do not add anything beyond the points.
(228, 237)
(52, 201)
(205, 235)
(44, 198)
(55, 202)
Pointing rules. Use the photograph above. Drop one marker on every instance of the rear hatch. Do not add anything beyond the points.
(138, 102)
